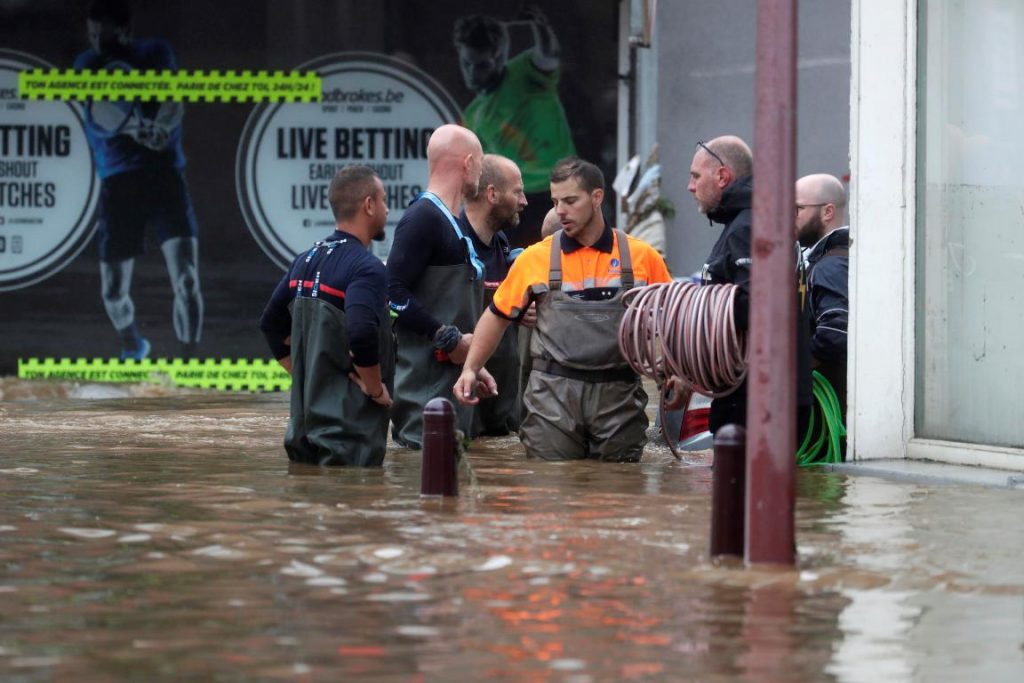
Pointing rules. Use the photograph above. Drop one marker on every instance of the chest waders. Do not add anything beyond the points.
(582, 399)
(450, 295)
(500, 415)
(332, 421)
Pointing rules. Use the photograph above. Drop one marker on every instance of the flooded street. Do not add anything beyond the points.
(152, 534)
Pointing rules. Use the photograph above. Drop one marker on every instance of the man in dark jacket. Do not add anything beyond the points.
(327, 323)
(822, 232)
(722, 184)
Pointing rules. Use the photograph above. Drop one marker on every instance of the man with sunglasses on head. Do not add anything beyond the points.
(436, 284)
(721, 181)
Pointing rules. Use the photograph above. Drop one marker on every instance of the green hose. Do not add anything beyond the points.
(822, 443)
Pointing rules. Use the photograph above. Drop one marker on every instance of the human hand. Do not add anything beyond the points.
(675, 393)
(474, 385)
(381, 397)
(534, 14)
(151, 136)
(529, 318)
(459, 353)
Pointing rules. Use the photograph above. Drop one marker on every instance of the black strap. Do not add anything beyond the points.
(550, 367)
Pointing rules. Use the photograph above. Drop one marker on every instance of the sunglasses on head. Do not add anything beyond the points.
(700, 143)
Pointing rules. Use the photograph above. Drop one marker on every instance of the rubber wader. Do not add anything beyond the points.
(454, 298)
(500, 415)
(332, 421)
(582, 399)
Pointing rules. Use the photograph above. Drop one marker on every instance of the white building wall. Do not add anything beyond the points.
(883, 287)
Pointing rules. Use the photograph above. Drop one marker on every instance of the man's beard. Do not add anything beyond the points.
(470, 191)
(811, 232)
(508, 221)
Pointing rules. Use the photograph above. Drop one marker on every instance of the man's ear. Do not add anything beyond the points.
(828, 212)
(598, 196)
(724, 176)
(492, 194)
(368, 205)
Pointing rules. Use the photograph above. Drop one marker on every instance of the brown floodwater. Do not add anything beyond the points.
(153, 534)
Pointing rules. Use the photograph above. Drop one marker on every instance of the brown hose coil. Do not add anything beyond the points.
(685, 330)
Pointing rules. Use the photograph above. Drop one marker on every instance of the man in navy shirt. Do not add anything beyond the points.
(328, 324)
(140, 162)
(487, 220)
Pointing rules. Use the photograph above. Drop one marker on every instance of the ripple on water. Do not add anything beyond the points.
(494, 562)
(220, 552)
(296, 568)
(87, 533)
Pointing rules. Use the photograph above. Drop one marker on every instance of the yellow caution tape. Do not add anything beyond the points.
(178, 86)
(255, 374)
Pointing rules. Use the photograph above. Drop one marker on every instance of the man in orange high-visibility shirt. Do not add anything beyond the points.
(582, 399)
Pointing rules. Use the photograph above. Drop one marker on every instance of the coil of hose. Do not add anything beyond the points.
(685, 330)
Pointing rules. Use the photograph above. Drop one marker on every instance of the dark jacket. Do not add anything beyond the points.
(828, 301)
(730, 263)
(729, 260)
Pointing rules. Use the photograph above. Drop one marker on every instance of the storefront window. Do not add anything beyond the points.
(970, 222)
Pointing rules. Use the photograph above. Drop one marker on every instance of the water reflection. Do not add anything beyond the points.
(164, 536)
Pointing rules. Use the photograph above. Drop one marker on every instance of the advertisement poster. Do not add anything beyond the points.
(155, 226)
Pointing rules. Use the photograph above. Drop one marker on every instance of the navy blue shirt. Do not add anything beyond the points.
(423, 237)
(494, 255)
(350, 278)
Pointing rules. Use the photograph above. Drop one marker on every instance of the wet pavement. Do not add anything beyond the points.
(153, 534)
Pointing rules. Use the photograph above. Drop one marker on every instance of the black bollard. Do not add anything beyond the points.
(728, 490)
(439, 474)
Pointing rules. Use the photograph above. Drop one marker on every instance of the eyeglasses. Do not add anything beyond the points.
(700, 143)
(800, 207)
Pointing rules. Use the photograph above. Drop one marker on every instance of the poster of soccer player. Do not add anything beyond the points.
(146, 227)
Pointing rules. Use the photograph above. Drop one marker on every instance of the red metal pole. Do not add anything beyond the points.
(439, 475)
(728, 473)
(771, 402)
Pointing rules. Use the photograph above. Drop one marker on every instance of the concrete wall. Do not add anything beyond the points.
(706, 75)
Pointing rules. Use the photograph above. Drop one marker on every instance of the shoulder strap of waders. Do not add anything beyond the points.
(626, 260)
(555, 264)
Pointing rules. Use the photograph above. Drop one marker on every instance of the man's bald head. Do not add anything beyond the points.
(454, 152)
(716, 165)
(551, 223)
(734, 154)
(498, 171)
(820, 207)
(501, 193)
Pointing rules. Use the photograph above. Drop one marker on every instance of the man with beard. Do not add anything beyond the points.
(821, 231)
(327, 323)
(582, 399)
(486, 219)
(436, 284)
(140, 162)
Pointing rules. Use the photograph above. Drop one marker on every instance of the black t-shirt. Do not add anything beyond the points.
(423, 237)
(494, 256)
